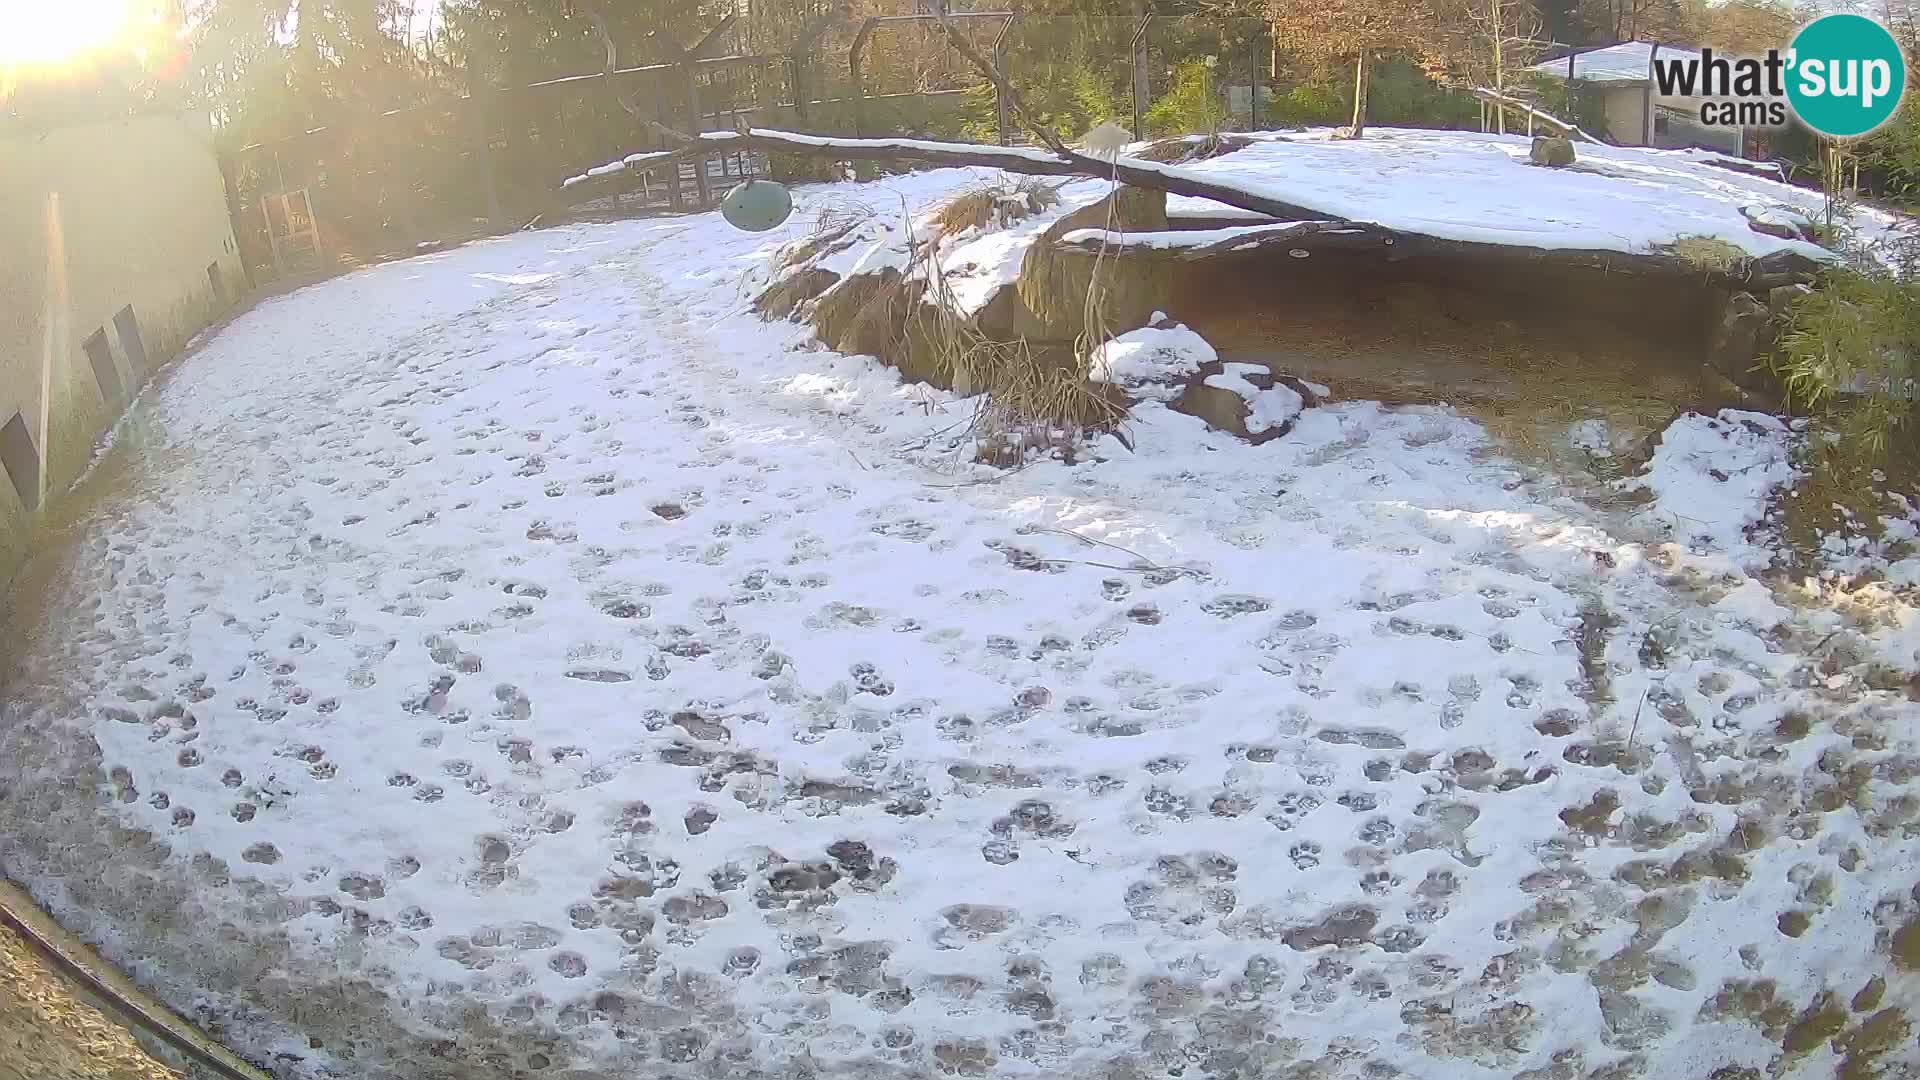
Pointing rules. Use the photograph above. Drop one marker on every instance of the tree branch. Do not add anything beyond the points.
(1047, 136)
(630, 103)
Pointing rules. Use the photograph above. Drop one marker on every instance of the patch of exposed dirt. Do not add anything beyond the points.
(1527, 352)
(50, 1029)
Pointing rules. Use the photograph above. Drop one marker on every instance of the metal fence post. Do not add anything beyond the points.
(1253, 81)
(665, 108)
(797, 79)
(1140, 76)
(1000, 99)
(854, 57)
(694, 127)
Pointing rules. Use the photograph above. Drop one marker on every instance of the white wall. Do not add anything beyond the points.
(95, 217)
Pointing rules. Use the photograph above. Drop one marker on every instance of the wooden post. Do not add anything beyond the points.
(695, 126)
(853, 78)
(674, 198)
(1360, 66)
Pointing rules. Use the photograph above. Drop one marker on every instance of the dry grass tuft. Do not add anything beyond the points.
(1181, 149)
(971, 209)
(54, 1027)
(1167, 151)
(833, 230)
(1024, 389)
(994, 205)
(782, 298)
(866, 314)
(1028, 398)
(1708, 253)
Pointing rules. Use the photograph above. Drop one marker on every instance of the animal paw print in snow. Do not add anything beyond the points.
(1291, 807)
(1378, 832)
(866, 678)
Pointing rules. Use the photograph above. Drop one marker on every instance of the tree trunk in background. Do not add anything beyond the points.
(307, 88)
(1499, 70)
(1359, 96)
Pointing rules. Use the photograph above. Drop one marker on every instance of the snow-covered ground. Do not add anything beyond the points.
(521, 660)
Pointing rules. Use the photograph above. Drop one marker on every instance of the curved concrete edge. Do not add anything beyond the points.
(115, 994)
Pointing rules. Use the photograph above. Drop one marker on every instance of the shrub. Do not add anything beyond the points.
(1070, 99)
(1193, 104)
(1399, 94)
(1848, 353)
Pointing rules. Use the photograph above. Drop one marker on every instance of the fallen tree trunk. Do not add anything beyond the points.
(1500, 100)
(1019, 159)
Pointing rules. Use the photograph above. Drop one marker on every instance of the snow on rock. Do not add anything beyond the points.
(1172, 239)
(1711, 477)
(519, 659)
(1191, 208)
(1471, 186)
(1778, 220)
(1153, 361)
(1592, 435)
(977, 265)
(1268, 408)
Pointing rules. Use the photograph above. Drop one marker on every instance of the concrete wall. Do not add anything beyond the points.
(1626, 114)
(1683, 129)
(1627, 122)
(95, 217)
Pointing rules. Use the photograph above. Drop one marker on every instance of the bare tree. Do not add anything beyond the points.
(1644, 20)
(1360, 31)
(1750, 27)
(1502, 36)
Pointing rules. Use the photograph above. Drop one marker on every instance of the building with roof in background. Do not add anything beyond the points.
(1636, 113)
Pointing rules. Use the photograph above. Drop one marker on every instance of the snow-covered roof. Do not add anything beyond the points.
(1628, 61)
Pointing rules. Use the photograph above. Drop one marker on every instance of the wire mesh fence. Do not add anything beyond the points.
(496, 158)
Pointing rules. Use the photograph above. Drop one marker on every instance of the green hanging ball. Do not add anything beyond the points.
(757, 205)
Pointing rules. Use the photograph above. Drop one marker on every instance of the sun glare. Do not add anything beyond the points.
(55, 33)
